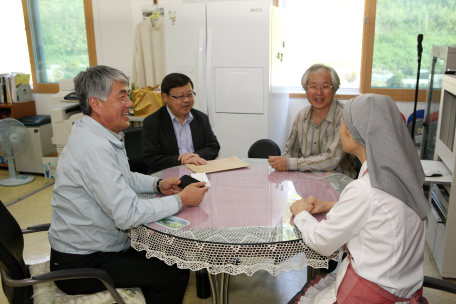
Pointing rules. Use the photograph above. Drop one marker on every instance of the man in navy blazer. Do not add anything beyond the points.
(176, 134)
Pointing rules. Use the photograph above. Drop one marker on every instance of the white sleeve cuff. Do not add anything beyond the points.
(292, 164)
(302, 218)
(179, 201)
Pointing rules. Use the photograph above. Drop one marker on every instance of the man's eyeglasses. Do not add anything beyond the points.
(182, 98)
(325, 89)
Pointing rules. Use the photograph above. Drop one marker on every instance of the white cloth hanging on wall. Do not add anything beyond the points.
(149, 59)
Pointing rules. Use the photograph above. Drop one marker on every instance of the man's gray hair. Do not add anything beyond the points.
(96, 82)
(317, 68)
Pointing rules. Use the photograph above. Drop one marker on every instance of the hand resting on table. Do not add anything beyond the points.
(319, 205)
(278, 163)
(312, 205)
(191, 158)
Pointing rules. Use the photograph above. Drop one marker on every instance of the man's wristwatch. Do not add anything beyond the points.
(158, 185)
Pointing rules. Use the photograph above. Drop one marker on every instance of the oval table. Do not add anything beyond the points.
(244, 224)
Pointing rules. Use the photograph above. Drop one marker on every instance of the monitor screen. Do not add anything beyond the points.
(445, 141)
(448, 125)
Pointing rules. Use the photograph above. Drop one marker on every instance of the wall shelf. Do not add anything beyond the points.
(19, 110)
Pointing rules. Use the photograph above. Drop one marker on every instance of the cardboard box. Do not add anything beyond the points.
(50, 164)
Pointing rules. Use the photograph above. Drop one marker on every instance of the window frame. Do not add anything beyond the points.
(90, 32)
(367, 56)
(342, 93)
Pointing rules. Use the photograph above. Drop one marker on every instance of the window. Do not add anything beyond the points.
(390, 49)
(325, 31)
(14, 57)
(60, 39)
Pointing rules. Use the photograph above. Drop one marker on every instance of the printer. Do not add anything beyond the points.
(62, 120)
(66, 88)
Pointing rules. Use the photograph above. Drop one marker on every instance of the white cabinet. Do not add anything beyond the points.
(40, 144)
(441, 231)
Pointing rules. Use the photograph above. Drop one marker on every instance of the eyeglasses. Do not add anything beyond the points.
(182, 98)
(325, 89)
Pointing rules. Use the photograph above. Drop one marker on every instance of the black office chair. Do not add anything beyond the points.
(264, 148)
(133, 148)
(15, 275)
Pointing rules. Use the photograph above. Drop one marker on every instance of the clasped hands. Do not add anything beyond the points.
(312, 205)
(192, 195)
(191, 158)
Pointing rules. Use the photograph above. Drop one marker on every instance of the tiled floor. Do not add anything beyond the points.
(259, 288)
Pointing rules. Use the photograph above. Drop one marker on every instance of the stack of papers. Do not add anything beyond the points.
(202, 177)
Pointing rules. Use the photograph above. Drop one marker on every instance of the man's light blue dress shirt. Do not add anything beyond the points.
(95, 197)
(183, 133)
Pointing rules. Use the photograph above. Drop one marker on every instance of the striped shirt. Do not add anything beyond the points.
(317, 147)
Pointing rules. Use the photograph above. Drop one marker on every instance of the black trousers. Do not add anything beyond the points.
(159, 282)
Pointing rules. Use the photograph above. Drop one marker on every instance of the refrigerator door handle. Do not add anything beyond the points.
(201, 49)
(209, 96)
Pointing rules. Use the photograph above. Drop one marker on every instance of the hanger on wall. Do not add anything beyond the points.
(155, 14)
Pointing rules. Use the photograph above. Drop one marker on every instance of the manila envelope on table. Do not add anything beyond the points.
(219, 165)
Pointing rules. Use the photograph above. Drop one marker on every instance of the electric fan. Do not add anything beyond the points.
(14, 140)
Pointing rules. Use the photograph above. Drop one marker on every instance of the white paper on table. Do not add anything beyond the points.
(202, 177)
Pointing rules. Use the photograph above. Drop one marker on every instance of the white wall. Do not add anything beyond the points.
(114, 26)
(115, 22)
(113, 33)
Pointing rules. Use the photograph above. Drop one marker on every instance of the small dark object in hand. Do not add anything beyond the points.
(187, 180)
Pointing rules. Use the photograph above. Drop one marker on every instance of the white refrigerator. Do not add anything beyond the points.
(234, 54)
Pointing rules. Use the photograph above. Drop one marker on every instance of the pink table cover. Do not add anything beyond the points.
(252, 196)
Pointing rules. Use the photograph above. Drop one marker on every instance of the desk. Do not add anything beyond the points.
(445, 179)
(244, 224)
